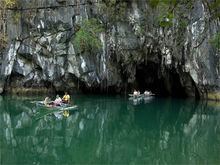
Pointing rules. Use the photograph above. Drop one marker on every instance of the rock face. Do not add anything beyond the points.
(136, 52)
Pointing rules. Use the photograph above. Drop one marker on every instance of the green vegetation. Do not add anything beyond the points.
(154, 3)
(9, 3)
(16, 17)
(29, 91)
(3, 41)
(166, 10)
(166, 20)
(113, 10)
(214, 8)
(216, 41)
(4, 4)
(86, 38)
(170, 10)
(213, 96)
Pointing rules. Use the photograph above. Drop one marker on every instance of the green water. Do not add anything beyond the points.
(110, 130)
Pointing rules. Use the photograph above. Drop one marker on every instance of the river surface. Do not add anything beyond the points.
(110, 130)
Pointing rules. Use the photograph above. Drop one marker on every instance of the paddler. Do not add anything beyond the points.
(57, 101)
(136, 93)
(66, 98)
(47, 102)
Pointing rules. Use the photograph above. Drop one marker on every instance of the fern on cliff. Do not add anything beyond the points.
(86, 38)
(113, 10)
(216, 41)
(9, 3)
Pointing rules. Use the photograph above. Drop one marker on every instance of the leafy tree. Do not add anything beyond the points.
(86, 38)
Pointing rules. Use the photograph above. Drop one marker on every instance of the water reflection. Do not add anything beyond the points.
(111, 130)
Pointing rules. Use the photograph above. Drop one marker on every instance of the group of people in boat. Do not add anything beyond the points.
(58, 101)
(137, 93)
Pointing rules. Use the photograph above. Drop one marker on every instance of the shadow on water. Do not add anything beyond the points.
(111, 130)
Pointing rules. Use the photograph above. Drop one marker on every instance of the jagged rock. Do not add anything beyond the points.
(132, 48)
(61, 1)
(22, 67)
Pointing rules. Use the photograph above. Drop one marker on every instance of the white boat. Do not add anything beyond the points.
(56, 110)
(69, 108)
(140, 96)
(146, 97)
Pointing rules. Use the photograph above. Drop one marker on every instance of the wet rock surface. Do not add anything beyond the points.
(165, 60)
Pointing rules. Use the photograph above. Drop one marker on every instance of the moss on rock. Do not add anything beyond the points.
(29, 91)
(213, 96)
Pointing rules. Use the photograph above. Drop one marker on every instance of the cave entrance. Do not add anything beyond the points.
(167, 83)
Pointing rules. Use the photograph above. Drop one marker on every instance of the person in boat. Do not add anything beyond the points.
(66, 98)
(136, 93)
(47, 102)
(147, 93)
(57, 101)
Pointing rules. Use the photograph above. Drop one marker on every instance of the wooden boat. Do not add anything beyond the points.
(135, 96)
(58, 111)
(62, 107)
(67, 108)
(136, 99)
(131, 96)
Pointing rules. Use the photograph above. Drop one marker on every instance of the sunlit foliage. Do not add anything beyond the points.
(216, 41)
(113, 10)
(9, 3)
(86, 38)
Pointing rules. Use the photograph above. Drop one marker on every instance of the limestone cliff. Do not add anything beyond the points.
(173, 57)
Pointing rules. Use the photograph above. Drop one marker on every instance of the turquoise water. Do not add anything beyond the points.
(110, 130)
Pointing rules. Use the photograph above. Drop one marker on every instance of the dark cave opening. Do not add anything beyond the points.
(147, 79)
(163, 82)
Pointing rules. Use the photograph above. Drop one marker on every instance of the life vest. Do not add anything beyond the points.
(66, 97)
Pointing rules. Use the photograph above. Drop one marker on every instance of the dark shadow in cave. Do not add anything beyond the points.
(160, 81)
